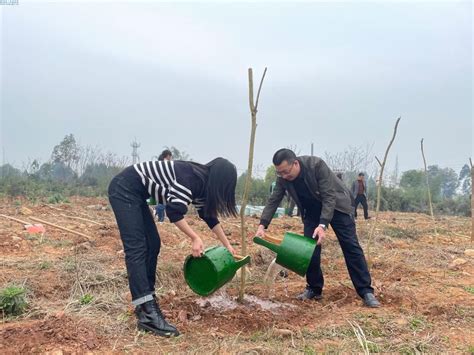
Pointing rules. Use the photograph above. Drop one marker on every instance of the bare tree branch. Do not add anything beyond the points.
(378, 161)
(379, 190)
(428, 186)
(353, 159)
(259, 89)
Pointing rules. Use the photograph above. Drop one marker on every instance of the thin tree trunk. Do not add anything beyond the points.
(429, 191)
(472, 201)
(379, 192)
(248, 180)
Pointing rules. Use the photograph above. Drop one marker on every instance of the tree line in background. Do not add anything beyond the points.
(71, 170)
(450, 191)
(87, 171)
(405, 192)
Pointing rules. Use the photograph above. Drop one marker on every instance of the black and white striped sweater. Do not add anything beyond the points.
(174, 184)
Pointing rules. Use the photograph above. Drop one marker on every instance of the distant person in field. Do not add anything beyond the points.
(359, 192)
(209, 187)
(322, 199)
(160, 208)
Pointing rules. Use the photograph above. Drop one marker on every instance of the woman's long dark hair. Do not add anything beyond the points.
(220, 188)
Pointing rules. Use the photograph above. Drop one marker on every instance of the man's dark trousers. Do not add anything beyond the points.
(344, 227)
(362, 200)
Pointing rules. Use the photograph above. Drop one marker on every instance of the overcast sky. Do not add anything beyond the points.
(339, 74)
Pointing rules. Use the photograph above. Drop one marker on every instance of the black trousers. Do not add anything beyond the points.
(344, 227)
(291, 207)
(362, 200)
(140, 238)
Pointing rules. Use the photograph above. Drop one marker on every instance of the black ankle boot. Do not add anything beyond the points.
(309, 294)
(151, 319)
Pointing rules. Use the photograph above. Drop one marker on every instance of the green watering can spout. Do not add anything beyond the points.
(242, 262)
(273, 247)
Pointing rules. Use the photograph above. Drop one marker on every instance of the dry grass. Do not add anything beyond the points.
(426, 306)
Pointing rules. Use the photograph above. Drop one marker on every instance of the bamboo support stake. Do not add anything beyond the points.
(14, 219)
(82, 219)
(472, 201)
(248, 180)
(55, 208)
(62, 228)
(61, 210)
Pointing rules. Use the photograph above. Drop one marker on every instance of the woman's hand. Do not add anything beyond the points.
(198, 247)
(219, 232)
(232, 250)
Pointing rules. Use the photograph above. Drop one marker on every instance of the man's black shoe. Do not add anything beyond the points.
(371, 301)
(309, 294)
(151, 319)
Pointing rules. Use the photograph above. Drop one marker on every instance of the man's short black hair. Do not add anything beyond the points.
(361, 174)
(282, 155)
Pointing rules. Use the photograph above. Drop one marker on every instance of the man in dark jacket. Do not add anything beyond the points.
(323, 200)
(359, 192)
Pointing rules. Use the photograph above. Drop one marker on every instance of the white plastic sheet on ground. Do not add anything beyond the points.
(257, 210)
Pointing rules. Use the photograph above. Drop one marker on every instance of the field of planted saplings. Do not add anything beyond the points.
(64, 288)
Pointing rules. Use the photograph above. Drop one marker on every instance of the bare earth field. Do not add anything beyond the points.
(425, 285)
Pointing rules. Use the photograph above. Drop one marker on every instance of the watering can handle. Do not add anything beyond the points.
(267, 244)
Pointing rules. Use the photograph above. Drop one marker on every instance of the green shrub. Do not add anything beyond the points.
(86, 299)
(13, 300)
(57, 198)
(44, 265)
(469, 289)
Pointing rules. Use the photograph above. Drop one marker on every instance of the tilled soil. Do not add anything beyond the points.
(79, 300)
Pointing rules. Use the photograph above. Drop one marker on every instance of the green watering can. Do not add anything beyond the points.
(211, 271)
(294, 252)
